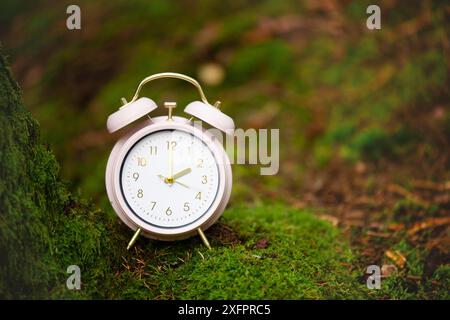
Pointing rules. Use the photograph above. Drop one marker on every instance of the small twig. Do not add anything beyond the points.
(426, 184)
(428, 223)
(378, 234)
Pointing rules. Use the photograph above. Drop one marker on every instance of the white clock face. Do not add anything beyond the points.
(169, 178)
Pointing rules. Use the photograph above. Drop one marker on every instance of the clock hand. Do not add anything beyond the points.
(162, 177)
(170, 161)
(182, 184)
(181, 173)
(188, 186)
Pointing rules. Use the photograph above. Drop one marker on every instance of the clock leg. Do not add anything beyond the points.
(205, 240)
(134, 238)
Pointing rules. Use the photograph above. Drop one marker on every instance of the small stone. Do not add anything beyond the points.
(388, 270)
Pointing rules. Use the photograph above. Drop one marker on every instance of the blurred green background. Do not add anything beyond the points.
(364, 114)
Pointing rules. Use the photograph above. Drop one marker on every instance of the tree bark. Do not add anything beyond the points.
(43, 228)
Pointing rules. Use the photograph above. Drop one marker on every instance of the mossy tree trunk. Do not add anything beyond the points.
(43, 229)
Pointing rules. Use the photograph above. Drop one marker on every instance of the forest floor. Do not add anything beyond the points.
(364, 123)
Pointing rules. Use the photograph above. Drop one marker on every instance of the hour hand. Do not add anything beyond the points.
(181, 173)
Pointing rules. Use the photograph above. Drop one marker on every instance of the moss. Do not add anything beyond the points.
(305, 258)
(43, 228)
(23, 232)
(274, 58)
(411, 282)
(442, 277)
(371, 143)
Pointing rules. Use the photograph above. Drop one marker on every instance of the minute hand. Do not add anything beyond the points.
(181, 173)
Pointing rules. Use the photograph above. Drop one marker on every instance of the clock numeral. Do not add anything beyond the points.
(142, 161)
(152, 205)
(169, 211)
(200, 163)
(204, 179)
(171, 144)
(186, 206)
(198, 196)
(153, 150)
(140, 193)
(135, 176)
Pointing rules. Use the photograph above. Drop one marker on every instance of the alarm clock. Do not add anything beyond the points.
(166, 177)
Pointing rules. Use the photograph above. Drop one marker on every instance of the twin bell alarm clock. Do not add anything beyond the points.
(167, 178)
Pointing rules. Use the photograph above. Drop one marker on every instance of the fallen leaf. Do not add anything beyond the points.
(263, 117)
(388, 270)
(378, 234)
(396, 226)
(428, 223)
(425, 184)
(333, 220)
(262, 243)
(394, 188)
(397, 257)
(360, 167)
(207, 36)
